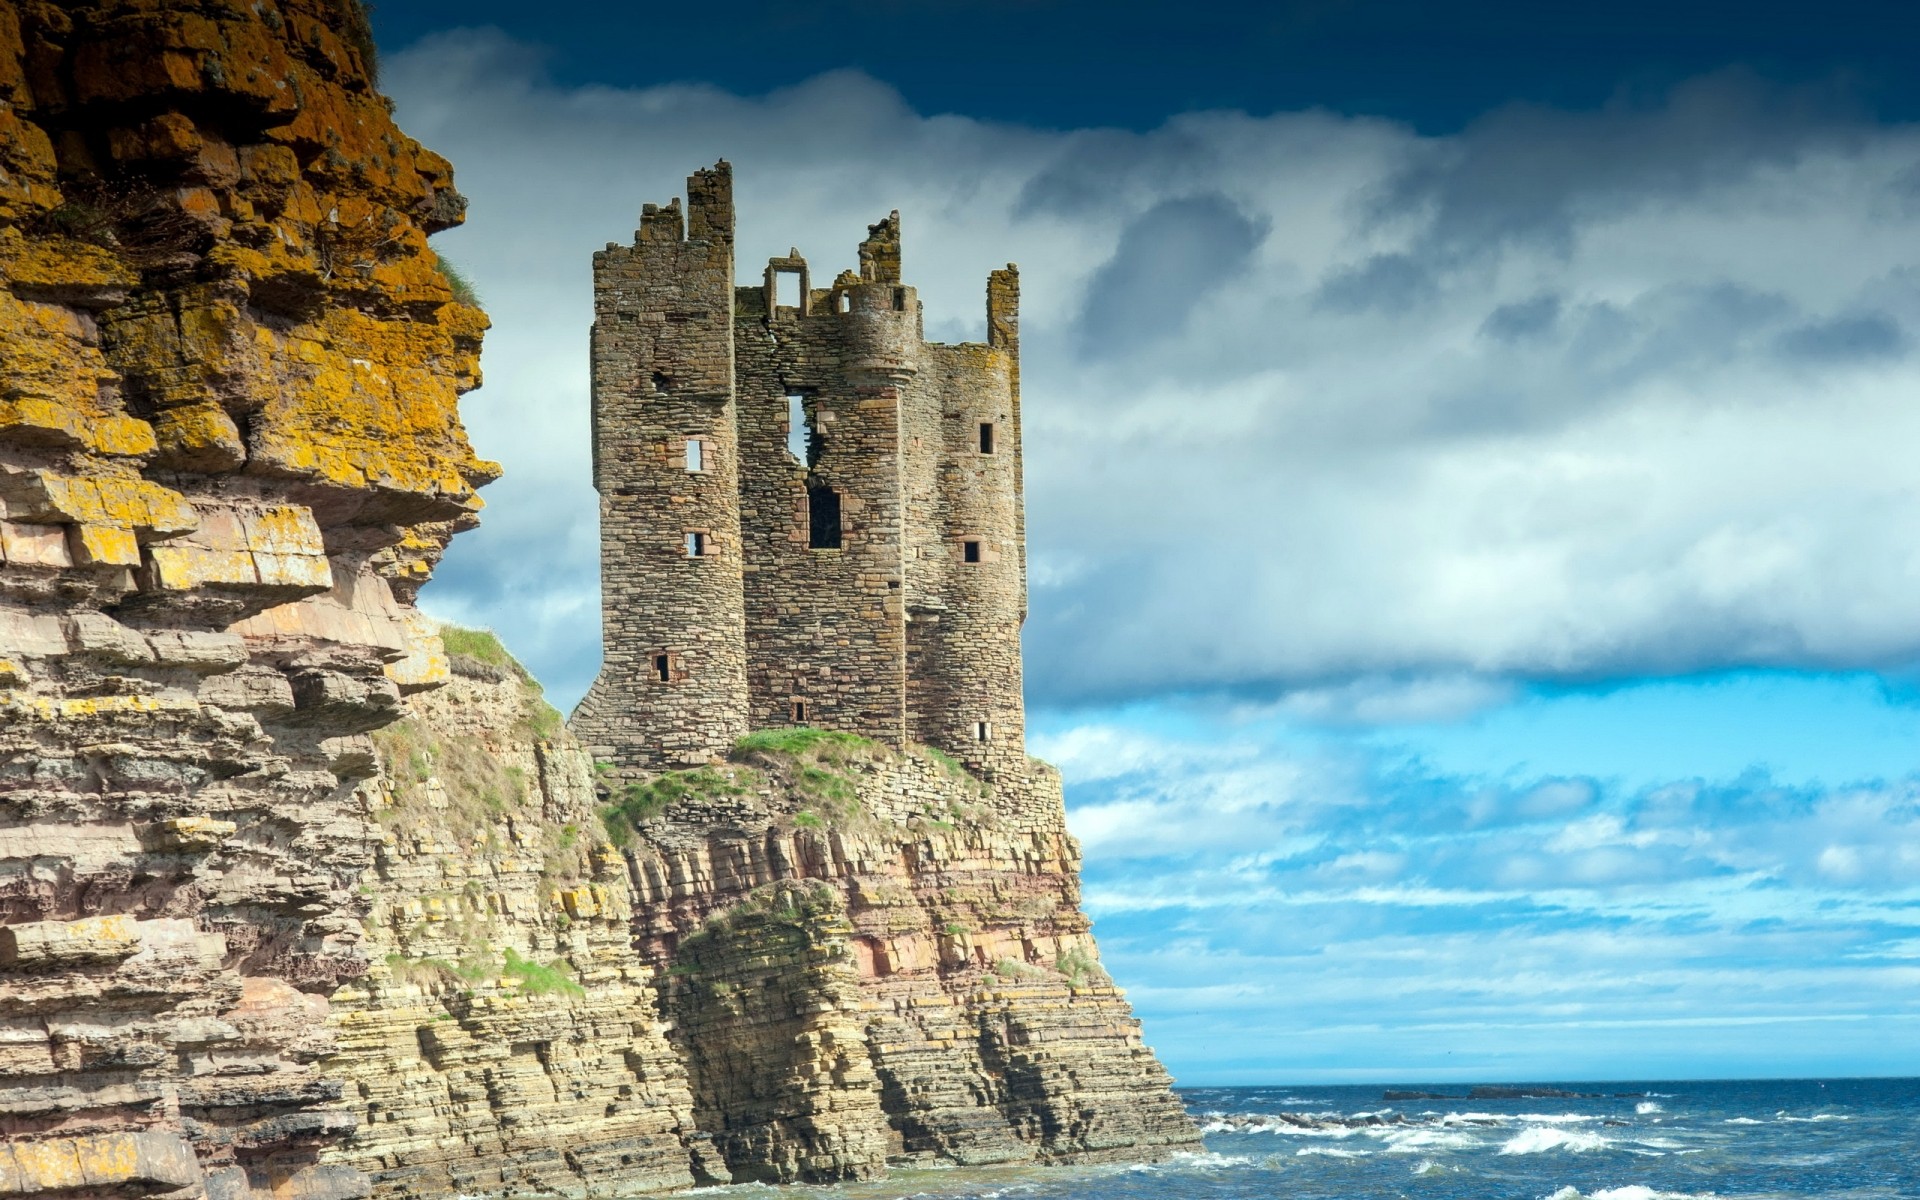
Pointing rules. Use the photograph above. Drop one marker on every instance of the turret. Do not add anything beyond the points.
(672, 686)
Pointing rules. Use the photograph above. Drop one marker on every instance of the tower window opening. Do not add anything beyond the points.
(823, 518)
(986, 437)
(970, 550)
(899, 299)
(696, 545)
(798, 430)
(786, 289)
(983, 731)
(663, 668)
(696, 454)
(799, 711)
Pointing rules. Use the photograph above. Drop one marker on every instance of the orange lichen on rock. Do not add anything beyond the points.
(230, 452)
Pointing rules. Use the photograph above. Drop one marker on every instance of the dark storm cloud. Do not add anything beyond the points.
(1522, 319)
(1169, 259)
(1865, 337)
(1393, 283)
(1309, 399)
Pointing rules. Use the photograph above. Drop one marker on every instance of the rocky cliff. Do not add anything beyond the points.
(279, 918)
(805, 963)
(229, 454)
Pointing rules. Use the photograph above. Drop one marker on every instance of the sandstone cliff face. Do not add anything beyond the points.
(870, 957)
(229, 454)
(805, 964)
(505, 1041)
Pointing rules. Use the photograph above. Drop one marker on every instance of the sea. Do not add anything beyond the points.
(1797, 1139)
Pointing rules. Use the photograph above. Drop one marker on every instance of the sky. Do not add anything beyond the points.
(1473, 520)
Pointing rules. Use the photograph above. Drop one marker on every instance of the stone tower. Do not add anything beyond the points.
(809, 514)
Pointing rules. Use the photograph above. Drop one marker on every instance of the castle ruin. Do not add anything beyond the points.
(809, 515)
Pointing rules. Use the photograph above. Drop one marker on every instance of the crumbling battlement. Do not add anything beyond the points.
(869, 576)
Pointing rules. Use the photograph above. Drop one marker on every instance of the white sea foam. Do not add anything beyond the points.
(1536, 1139)
(1741, 1121)
(1783, 1115)
(1330, 1152)
(1648, 1106)
(1427, 1166)
(1407, 1141)
(1631, 1191)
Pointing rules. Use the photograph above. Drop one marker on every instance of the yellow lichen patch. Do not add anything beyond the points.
(15, 705)
(45, 355)
(31, 421)
(105, 545)
(199, 437)
(128, 503)
(179, 568)
(125, 437)
(371, 403)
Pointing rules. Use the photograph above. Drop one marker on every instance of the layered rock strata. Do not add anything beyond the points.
(229, 454)
(505, 1041)
(808, 963)
(870, 957)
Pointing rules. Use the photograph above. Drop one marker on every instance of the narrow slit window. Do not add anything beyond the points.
(799, 712)
(823, 518)
(983, 731)
(696, 455)
(899, 299)
(797, 430)
(970, 550)
(696, 545)
(986, 437)
(663, 668)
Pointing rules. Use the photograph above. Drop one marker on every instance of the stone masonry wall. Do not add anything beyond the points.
(899, 632)
(673, 680)
(229, 454)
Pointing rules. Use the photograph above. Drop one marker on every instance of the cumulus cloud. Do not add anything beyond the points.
(1334, 903)
(1311, 400)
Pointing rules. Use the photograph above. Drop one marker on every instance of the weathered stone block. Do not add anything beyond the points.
(46, 944)
(25, 545)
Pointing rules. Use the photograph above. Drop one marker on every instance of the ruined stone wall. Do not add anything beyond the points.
(908, 628)
(964, 668)
(229, 454)
(673, 684)
(826, 626)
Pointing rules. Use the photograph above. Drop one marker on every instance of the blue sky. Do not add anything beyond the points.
(1472, 504)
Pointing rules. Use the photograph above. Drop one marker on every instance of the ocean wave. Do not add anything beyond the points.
(1741, 1121)
(1784, 1116)
(1537, 1139)
(1631, 1191)
(1427, 1166)
(1648, 1106)
(1329, 1152)
(1407, 1141)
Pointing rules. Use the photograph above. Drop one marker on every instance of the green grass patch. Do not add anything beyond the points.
(538, 980)
(463, 290)
(1081, 969)
(538, 719)
(643, 799)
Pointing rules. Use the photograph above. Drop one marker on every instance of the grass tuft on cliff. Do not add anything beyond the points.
(479, 654)
(643, 799)
(463, 290)
(817, 767)
(538, 980)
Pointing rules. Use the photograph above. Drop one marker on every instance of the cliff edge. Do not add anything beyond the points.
(807, 962)
(229, 455)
